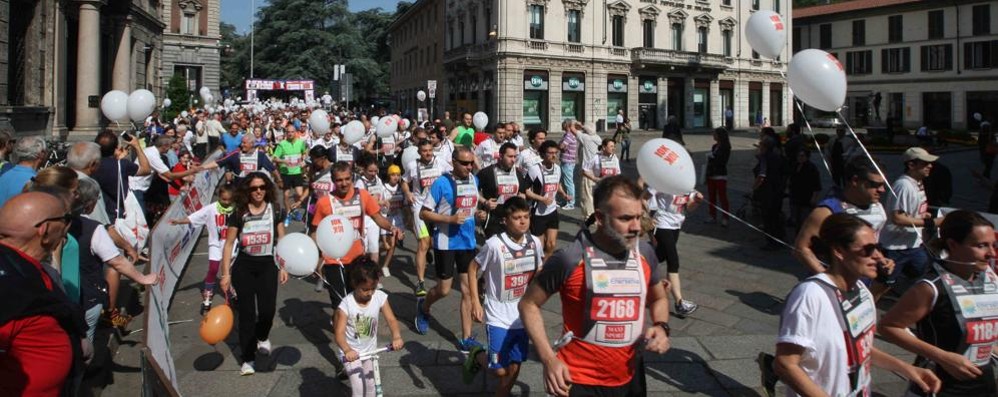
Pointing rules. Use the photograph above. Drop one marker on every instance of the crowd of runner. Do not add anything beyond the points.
(484, 207)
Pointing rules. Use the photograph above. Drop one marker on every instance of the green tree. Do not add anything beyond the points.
(177, 91)
(235, 59)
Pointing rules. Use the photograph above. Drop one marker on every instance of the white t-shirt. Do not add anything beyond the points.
(601, 165)
(216, 225)
(528, 160)
(517, 140)
(912, 201)
(362, 321)
(670, 209)
(141, 183)
(490, 264)
(488, 152)
(102, 246)
(412, 177)
(444, 151)
(189, 140)
(811, 320)
(549, 179)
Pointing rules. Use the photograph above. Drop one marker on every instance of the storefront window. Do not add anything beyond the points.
(616, 98)
(535, 99)
(573, 94)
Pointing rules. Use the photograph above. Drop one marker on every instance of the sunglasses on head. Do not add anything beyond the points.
(66, 218)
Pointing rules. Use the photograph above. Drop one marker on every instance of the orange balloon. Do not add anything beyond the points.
(216, 325)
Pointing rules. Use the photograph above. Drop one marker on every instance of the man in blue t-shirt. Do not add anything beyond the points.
(233, 139)
(450, 205)
(247, 159)
(30, 154)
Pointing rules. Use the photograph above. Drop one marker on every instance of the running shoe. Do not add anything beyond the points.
(468, 344)
(471, 368)
(119, 320)
(247, 369)
(422, 319)
(766, 374)
(385, 272)
(685, 308)
(420, 289)
(318, 284)
(568, 207)
(206, 304)
(263, 347)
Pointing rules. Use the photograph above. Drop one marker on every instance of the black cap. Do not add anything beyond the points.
(319, 151)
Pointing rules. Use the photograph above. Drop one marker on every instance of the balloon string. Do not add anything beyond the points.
(753, 227)
(808, 125)
(868, 155)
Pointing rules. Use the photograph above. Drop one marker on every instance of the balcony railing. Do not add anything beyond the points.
(657, 56)
(470, 51)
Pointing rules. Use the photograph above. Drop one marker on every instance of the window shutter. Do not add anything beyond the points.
(967, 56)
(949, 57)
(994, 54)
(924, 57)
(883, 61)
(849, 56)
(907, 59)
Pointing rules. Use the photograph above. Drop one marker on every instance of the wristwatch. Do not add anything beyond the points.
(665, 327)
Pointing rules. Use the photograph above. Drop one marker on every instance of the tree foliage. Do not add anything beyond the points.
(177, 91)
(303, 39)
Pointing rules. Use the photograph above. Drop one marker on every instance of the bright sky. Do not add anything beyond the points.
(237, 12)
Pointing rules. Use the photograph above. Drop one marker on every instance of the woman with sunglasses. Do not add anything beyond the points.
(255, 223)
(825, 341)
(953, 311)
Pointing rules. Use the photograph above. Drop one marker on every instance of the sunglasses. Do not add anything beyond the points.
(874, 184)
(869, 249)
(465, 163)
(66, 218)
(258, 188)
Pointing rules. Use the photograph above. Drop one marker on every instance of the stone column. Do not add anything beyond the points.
(716, 111)
(765, 102)
(663, 103)
(554, 100)
(87, 69)
(121, 75)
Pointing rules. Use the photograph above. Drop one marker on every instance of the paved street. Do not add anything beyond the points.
(738, 286)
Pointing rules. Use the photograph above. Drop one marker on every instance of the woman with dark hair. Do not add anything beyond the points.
(254, 275)
(952, 309)
(717, 174)
(825, 341)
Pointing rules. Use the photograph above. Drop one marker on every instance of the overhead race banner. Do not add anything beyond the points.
(170, 248)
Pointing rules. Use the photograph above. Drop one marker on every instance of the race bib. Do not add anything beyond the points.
(293, 160)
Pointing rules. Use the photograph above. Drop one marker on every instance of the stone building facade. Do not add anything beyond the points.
(58, 57)
(539, 62)
(191, 43)
(917, 62)
(416, 39)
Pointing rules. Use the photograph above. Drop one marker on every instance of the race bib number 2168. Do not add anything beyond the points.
(615, 308)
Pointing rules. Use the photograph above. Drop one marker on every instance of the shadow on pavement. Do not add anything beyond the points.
(209, 361)
(315, 382)
(691, 374)
(760, 301)
(312, 321)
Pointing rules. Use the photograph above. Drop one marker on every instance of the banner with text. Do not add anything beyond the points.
(170, 248)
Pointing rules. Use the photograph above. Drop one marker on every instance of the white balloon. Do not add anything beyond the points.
(319, 121)
(183, 113)
(481, 120)
(114, 105)
(818, 79)
(204, 91)
(409, 155)
(421, 95)
(209, 98)
(766, 33)
(297, 254)
(335, 235)
(141, 104)
(404, 124)
(667, 167)
(353, 132)
(167, 102)
(387, 127)
(977, 116)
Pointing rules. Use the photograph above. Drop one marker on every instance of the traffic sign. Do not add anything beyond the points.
(431, 86)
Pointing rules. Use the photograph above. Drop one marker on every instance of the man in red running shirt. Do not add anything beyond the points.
(606, 280)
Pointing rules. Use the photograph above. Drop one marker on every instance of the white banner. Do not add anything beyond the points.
(170, 247)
